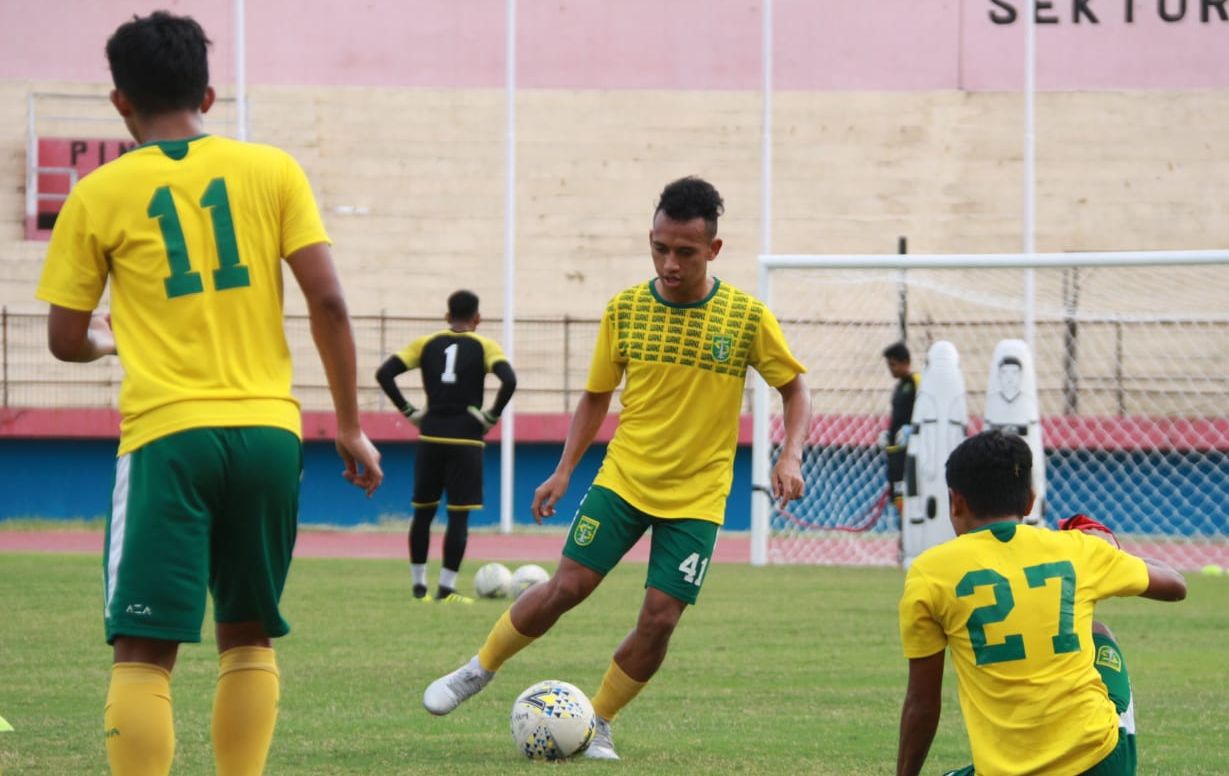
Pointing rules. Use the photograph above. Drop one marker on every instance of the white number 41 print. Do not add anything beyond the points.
(693, 569)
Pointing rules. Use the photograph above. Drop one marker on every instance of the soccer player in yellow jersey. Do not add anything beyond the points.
(1014, 605)
(190, 231)
(681, 344)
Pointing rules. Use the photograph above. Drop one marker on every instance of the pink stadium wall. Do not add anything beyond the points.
(647, 44)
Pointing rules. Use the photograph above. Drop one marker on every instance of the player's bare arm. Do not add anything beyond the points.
(919, 717)
(79, 335)
(330, 323)
(786, 478)
(1164, 582)
(590, 412)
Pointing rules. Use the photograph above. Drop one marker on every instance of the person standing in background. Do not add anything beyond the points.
(454, 364)
(896, 438)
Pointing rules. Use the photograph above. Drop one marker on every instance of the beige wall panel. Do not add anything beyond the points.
(411, 185)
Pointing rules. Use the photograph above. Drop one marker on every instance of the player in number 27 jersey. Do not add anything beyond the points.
(1014, 606)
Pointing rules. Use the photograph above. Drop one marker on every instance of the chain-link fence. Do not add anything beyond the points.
(551, 357)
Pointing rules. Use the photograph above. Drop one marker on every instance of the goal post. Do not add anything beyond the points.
(1131, 352)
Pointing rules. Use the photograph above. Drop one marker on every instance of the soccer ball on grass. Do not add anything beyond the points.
(526, 576)
(493, 580)
(552, 720)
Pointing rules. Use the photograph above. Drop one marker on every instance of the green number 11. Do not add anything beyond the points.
(183, 280)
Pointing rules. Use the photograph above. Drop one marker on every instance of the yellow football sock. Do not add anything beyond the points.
(617, 690)
(244, 710)
(137, 721)
(502, 642)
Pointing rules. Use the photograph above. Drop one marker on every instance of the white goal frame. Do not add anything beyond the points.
(761, 504)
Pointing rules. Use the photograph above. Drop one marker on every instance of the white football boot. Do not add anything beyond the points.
(446, 693)
(602, 745)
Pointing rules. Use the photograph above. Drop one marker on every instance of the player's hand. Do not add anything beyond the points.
(362, 460)
(100, 334)
(547, 495)
(786, 477)
(487, 419)
(414, 414)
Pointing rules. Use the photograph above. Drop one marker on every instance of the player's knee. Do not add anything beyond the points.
(657, 622)
(1101, 629)
(568, 590)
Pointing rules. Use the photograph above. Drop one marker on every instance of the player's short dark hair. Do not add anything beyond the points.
(897, 351)
(691, 197)
(994, 473)
(1011, 361)
(160, 62)
(462, 305)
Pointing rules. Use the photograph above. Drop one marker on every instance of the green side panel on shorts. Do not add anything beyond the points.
(207, 509)
(606, 527)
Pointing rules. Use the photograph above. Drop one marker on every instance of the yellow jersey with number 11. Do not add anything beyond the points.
(191, 234)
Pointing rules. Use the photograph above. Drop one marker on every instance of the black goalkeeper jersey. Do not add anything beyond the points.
(454, 367)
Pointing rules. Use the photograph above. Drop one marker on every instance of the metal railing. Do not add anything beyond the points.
(551, 357)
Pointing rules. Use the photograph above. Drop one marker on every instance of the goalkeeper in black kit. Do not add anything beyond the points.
(449, 459)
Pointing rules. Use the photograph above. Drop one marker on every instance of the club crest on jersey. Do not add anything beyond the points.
(722, 346)
(1109, 657)
(586, 529)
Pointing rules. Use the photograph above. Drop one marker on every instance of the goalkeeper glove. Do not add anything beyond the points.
(414, 414)
(487, 419)
(1086, 524)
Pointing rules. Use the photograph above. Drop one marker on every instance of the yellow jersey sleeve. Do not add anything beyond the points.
(770, 354)
(411, 354)
(1112, 572)
(921, 634)
(606, 368)
(301, 223)
(492, 353)
(75, 272)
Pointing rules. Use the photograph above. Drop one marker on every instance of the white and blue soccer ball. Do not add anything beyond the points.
(527, 576)
(493, 580)
(552, 720)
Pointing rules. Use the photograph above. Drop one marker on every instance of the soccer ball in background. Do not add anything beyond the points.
(552, 720)
(493, 580)
(526, 576)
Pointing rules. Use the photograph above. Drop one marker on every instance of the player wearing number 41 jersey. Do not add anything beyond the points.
(190, 231)
(681, 345)
(1014, 606)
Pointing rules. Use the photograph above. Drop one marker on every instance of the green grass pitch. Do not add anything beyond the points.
(781, 670)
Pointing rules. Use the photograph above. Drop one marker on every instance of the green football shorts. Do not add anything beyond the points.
(606, 527)
(203, 509)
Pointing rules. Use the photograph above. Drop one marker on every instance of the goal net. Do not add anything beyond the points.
(1131, 352)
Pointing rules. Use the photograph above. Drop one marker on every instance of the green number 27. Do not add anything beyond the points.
(183, 280)
(1012, 646)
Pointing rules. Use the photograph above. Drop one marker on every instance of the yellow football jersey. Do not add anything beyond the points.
(191, 234)
(1014, 606)
(672, 454)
